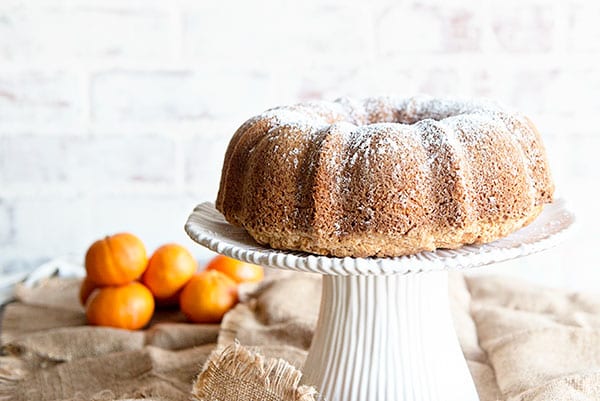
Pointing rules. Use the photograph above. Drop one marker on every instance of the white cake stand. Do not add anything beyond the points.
(385, 332)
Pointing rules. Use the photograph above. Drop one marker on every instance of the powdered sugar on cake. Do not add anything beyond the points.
(375, 126)
(384, 175)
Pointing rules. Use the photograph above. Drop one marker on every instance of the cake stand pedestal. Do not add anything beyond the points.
(387, 338)
(384, 332)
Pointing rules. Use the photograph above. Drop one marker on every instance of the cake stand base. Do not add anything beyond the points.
(385, 330)
(387, 338)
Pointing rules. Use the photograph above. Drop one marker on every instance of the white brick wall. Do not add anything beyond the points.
(40, 96)
(6, 224)
(424, 28)
(177, 95)
(86, 30)
(115, 114)
(99, 163)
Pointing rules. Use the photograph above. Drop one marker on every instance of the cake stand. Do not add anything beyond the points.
(384, 331)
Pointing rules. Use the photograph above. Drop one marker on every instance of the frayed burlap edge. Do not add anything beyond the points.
(278, 377)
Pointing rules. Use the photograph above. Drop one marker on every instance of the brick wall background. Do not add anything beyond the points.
(115, 114)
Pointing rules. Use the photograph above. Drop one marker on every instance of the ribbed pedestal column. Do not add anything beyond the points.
(387, 338)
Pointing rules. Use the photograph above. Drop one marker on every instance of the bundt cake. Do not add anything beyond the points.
(384, 176)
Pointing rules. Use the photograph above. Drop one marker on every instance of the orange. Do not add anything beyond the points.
(128, 306)
(116, 260)
(208, 296)
(169, 268)
(240, 272)
(86, 289)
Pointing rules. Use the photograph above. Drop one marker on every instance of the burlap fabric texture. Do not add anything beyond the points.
(522, 343)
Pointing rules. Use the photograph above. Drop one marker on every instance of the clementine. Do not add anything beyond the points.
(207, 296)
(240, 272)
(169, 268)
(116, 260)
(128, 306)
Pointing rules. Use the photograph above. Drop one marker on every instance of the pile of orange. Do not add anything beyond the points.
(122, 286)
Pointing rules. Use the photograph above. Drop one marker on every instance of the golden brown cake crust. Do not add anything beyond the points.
(384, 176)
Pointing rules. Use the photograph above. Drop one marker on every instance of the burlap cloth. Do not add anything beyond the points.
(522, 342)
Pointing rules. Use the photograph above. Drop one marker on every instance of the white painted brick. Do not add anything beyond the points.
(51, 227)
(440, 82)
(337, 33)
(203, 163)
(124, 161)
(523, 89)
(40, 97)
(536, 91)
(390, 79)
(6, 223)
(523, 26)
(86, 162)
(57, 33)
(394, 78)
(480, 82)
(559, 158)
(177, 96)
(582, 87)
(551, 90)
(271, 35)
(246, 36)
(326, 81)
(32, 160)
(578, 253)
(583, 26)
(428, 28)
(557, 91)
(584, 160)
